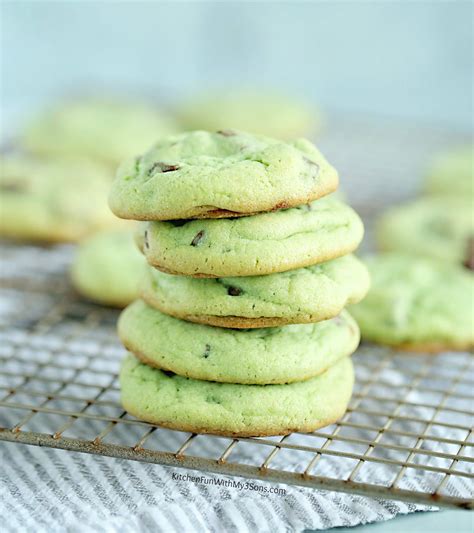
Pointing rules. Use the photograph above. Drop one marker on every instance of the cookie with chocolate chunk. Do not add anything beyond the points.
(232, 409)
(298, 296)
(252, 246)
(417, 304)
(60, 200)
(223, 174)
(433, 227)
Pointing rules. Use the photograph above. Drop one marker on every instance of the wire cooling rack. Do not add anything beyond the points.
(407, 434)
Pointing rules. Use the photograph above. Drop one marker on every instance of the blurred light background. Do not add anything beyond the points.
(404, 59)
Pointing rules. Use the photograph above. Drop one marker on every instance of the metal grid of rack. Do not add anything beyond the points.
(407, 434)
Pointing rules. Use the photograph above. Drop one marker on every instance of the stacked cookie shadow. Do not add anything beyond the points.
(241, 328)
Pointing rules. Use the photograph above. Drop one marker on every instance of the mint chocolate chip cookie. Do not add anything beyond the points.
(232, 409)
(223, 174)
(259, 356)
(108, 268)
(417, 304)
(60, 200)
(261, 112)
(106, 130)
(434, 227)
(251, 246)
(298, 296)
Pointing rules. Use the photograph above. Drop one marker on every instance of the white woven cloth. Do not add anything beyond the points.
(46, 490)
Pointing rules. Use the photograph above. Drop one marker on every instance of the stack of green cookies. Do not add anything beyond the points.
(241, 328)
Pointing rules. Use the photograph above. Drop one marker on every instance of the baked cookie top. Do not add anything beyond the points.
(417, 303)
(303, 295)
(107, 130)
(260, 112)
(56, 200)
(108, 268)
(222, 174)
(259, 356)
(434, 227)
(250, 246)
(231, 409)
(452, 173)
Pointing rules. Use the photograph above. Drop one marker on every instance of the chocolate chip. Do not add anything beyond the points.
(145, 240)
(197, 238)
(469, 259)
(227, 133)
(168, 373)
(207, 351)
(164, 167)
(234, 291)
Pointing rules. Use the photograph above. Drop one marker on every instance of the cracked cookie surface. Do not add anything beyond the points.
(223, 174)
(298, 296)
(251, 246)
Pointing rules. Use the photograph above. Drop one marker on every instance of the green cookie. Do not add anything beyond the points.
(260, 112)
(251, 246)
(59, 200)
(417, 304)
(298, 296)
(235, 410)
(223, 174)
(452, 173)
(107, 130)
(434, 227)
(108, 268)
(258, 356)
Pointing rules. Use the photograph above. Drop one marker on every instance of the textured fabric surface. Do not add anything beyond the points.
(50, 490)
